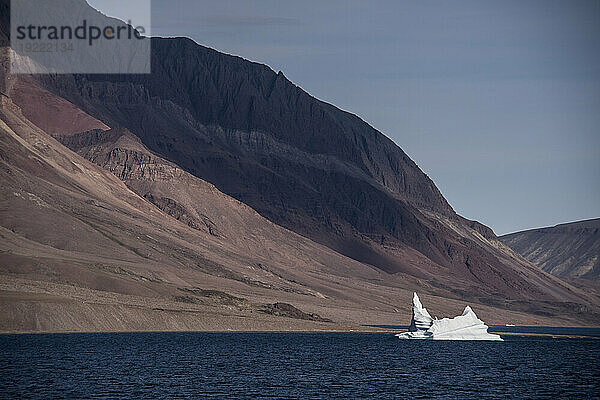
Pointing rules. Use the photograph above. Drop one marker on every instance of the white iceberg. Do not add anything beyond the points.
(464, 327)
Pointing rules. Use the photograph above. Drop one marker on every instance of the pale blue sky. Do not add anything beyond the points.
(498, 102)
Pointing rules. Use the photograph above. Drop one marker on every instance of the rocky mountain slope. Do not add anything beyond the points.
(567, 250)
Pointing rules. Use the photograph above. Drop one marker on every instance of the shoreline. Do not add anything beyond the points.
(301, 331)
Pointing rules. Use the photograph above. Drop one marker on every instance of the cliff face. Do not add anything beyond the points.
(245, 97)
(160, 182)
(568, 250)
(302, 163)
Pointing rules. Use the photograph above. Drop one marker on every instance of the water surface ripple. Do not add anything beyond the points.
(293, 365)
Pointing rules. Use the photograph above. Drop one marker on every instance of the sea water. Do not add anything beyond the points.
(294, 365)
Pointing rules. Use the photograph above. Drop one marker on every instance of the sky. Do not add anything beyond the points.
(498, 102)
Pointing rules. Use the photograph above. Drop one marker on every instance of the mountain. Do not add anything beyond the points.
(569, 250)
(133, 242)
(114, 237)
(301, 163)
(216, 193)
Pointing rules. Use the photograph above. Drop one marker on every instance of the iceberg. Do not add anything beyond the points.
(464, 327)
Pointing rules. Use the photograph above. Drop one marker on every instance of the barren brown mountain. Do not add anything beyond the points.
(109, 221)
(569, 250)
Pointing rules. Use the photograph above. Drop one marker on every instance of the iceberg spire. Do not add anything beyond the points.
(421, 320)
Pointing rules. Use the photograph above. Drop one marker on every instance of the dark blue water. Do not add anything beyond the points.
(547, 330)
(293, 365)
